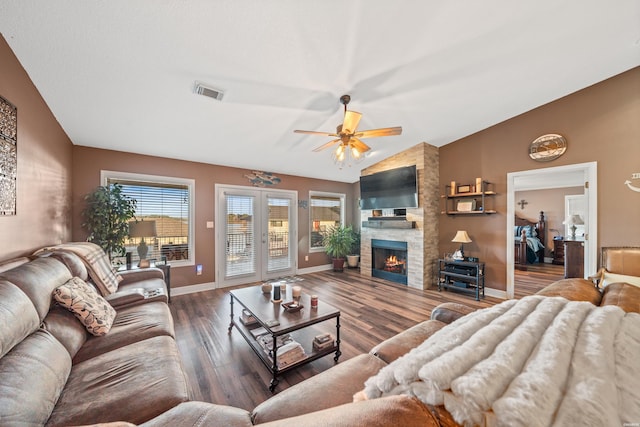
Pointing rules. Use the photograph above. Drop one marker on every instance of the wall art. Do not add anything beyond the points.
(262, 179)
(8, 157)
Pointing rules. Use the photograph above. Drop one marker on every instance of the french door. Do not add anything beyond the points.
(256, 237)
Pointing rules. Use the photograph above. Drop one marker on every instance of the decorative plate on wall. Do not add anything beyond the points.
(547, 147)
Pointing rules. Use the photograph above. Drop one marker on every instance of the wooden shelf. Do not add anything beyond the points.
(478, 204)
(488, 212)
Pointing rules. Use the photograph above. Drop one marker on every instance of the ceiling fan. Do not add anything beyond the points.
(348, 137)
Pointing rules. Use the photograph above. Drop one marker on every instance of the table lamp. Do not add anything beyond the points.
(461, 237)
(142, 229)
(574, 220)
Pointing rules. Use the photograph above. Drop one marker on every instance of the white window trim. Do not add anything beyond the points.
(158, 179)
(343, 208)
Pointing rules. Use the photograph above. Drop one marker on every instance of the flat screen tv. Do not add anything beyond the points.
(394, 188)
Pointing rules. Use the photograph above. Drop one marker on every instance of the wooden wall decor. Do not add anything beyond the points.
(8, 156)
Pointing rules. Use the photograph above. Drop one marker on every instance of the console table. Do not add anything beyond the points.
(466, 276)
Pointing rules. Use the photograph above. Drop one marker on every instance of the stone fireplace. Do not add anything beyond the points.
(421, 239)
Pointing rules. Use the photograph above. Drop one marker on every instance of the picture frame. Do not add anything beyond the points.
(464, 188)
(466, 206)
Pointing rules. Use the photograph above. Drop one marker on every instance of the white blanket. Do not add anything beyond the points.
(537, 361)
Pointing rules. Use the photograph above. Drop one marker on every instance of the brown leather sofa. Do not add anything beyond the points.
(53, 372)
(138, 378)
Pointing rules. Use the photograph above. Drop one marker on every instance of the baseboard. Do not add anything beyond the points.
(495, 293)
(192, 289)
(315, 269)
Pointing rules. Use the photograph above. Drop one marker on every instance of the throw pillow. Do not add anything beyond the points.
(93, 311)
(609, 278)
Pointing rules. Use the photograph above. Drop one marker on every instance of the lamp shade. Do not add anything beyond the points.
(461, 237)
(574, 220)
(142, 229)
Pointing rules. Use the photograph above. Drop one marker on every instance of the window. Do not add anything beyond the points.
(326, 210)
(168, 202)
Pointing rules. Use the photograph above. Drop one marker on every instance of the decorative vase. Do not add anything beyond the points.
(266, 288)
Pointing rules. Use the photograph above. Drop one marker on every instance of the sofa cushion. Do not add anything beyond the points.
(402, 411)
(574, 290)
(400, 344)
(32, 377)
(95, 260)
(132, 324)
(623, 295)
(330, 388)
(38, 279)
(64, 326)
(72, 262)
(17, 311)
(189, 414)
(133, 383)
(87, 305)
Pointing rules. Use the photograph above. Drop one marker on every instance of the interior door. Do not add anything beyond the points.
(256, 237)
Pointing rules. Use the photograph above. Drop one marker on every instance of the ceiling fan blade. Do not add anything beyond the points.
(359, 145)
(327, 145)
(311, 132)
(351, 120)
(373, 133)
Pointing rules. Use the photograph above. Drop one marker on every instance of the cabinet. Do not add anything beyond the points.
(458, 201)
(573, 258)
(558, 252)
(466, 276)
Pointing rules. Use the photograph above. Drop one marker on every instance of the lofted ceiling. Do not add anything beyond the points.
(120, 74)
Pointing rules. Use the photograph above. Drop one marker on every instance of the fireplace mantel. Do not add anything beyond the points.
(388, 224)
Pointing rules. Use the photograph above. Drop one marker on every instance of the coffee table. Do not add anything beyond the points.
(297, 323)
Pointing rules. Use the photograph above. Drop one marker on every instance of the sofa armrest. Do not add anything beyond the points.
(131, 276)
(400, 344)
(398, 410)
(133, 296)
(449, 312)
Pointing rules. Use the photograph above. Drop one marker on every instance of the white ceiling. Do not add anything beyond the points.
(119, 74)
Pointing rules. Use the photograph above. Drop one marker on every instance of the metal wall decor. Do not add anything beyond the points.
(8, 156)
(547, 147)
(262, 179)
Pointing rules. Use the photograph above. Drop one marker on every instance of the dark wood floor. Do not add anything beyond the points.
(536, 277)
(223, 369)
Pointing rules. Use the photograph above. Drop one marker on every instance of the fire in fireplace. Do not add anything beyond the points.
(389, 260)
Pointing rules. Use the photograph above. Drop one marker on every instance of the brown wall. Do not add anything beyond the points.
(600, 124)
(44, 167)
(88, 162)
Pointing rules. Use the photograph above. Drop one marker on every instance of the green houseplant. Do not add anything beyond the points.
(106, 217)
(337, 242)
(353, 257)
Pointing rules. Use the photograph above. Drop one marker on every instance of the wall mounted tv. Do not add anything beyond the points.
(394, 188)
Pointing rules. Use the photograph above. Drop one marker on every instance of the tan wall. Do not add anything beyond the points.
(600, 124)
(44, 167)
(88, 162)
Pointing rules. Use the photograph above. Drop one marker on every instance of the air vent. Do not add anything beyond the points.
(204, 90)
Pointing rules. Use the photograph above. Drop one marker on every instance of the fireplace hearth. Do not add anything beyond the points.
(389, 260)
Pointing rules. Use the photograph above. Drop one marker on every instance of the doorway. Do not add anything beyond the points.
(583, 174)
(256, 234)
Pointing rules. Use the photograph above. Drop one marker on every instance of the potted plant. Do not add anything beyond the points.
(354, 255)
(337, 242)
(106, 217)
